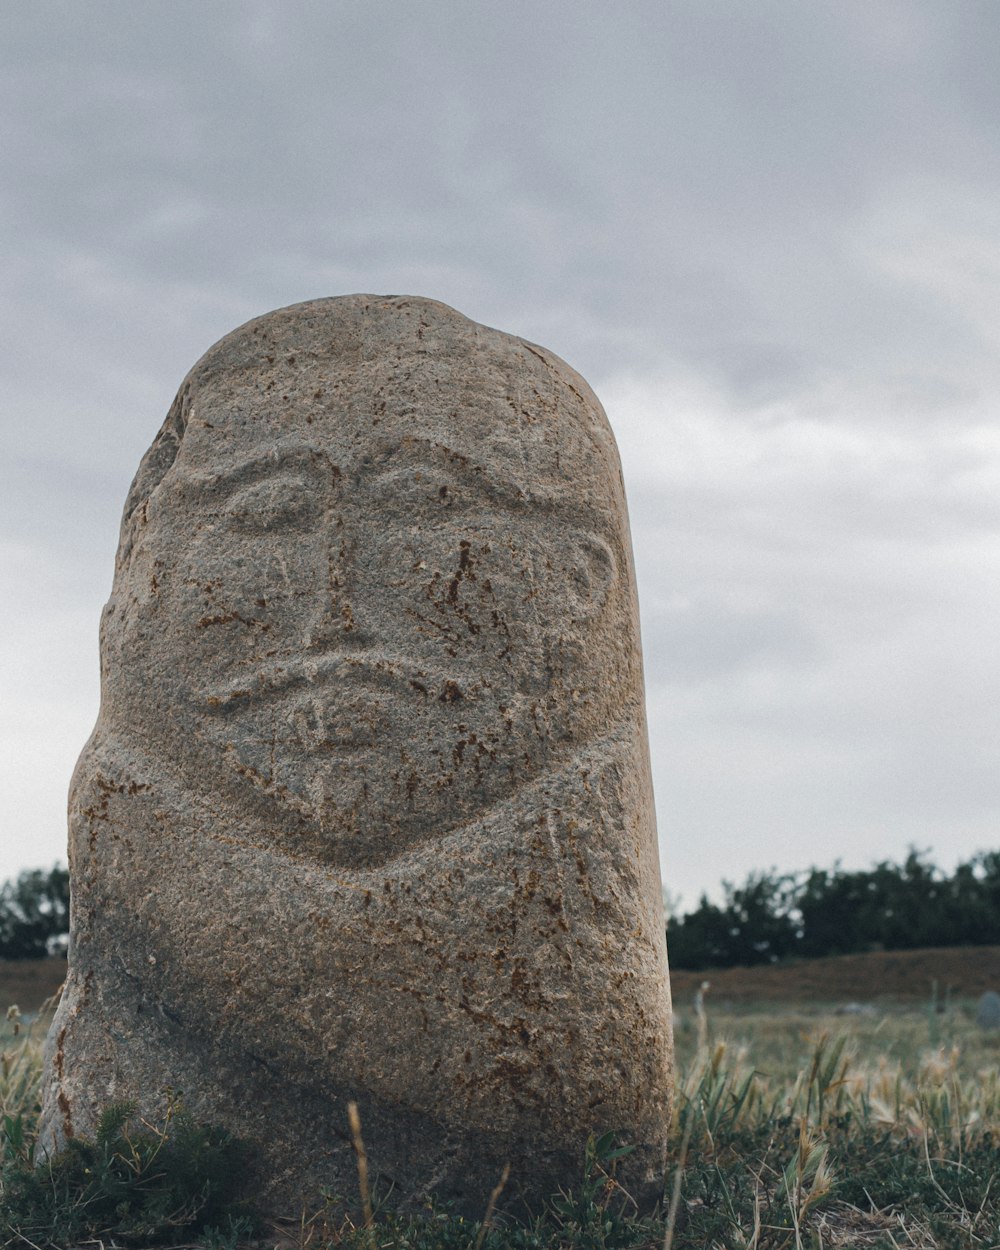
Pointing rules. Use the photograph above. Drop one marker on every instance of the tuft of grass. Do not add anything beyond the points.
(793, 1130)
(20, 1072)
(135, 1183)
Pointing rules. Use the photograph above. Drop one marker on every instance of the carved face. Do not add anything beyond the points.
(359, 624)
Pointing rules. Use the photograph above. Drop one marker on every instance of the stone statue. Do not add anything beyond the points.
(367, 811)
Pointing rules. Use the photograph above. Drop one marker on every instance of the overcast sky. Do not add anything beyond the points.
(767, 233)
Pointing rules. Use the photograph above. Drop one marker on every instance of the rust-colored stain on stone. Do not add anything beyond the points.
(367, 814)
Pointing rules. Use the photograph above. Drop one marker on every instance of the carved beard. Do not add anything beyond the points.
(370, 755)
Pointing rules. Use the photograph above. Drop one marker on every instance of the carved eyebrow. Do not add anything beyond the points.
(388, 460)
(423, 455)
(279, 458)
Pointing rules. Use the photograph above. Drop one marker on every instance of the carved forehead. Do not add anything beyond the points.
(361, 377)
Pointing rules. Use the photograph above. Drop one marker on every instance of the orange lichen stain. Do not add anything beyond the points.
(215, 701)
(225, 618)
(64, 1107)
(60, 1054)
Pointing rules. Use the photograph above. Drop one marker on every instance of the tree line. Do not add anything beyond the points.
(770, 917)
(777, 916)
(34, 914)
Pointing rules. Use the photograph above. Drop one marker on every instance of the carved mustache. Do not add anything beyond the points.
(340, 684)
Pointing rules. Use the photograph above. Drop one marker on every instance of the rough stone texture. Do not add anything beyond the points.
(367, 811)
(988, 1010)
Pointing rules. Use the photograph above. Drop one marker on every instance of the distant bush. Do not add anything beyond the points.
(775, 916)
(34, 914)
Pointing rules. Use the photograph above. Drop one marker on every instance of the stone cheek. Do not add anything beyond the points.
(367, 811)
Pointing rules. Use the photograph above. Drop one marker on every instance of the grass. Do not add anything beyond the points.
(795, 1129)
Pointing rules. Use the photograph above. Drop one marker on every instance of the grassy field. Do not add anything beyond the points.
(797, 1127)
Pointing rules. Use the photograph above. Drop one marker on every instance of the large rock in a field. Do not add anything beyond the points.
(367, 811)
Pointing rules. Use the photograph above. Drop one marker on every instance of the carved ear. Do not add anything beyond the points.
(592, 570)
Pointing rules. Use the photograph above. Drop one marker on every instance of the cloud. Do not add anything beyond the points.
(815, 596)
(767, 235)
(48, 658)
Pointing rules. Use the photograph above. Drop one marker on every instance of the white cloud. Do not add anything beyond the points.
(816, 605)
(48, 700)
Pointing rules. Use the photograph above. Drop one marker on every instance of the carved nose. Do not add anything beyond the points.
(334, 626)
(335, 621)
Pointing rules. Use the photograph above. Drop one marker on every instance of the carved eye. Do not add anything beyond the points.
(412, 489)
(592, 568)
(271, 505)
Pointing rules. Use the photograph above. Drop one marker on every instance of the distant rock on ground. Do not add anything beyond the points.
(988, 1010)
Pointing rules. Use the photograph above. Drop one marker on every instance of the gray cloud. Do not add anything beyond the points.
(767, 234)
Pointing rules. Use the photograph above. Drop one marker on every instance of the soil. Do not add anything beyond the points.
(29, 982)
(879, 976)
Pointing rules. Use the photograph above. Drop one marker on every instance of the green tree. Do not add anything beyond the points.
(754, 925)
(835, 912)
(34, 913)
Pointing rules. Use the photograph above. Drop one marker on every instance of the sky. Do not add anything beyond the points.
(767, 234)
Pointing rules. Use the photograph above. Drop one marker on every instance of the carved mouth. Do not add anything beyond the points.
(337, 702)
